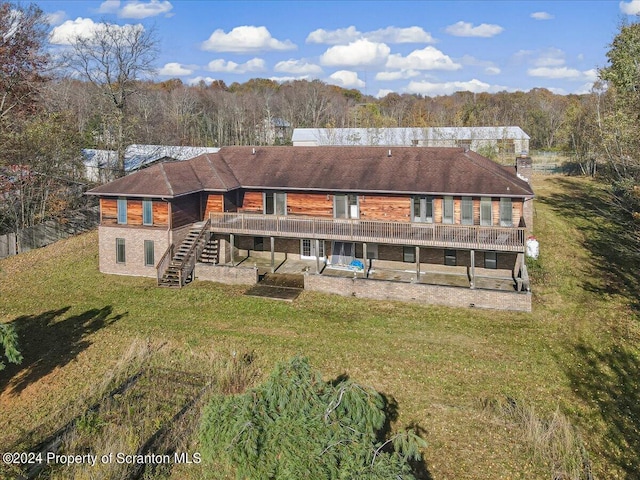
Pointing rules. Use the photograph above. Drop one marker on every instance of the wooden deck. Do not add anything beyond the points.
(503, 239)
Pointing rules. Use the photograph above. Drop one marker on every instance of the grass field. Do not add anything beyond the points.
(451, 371)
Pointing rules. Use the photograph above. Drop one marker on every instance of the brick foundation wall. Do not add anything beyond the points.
(226, 274)
(134, 249)
(421, 293)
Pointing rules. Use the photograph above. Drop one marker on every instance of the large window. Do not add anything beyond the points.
(149, 253)
(275, 203)
(147, 212)
(422, 209)
(506, 215)
(466, 211)
(120, 251)
(485, 211)
(447, 210)
(345, 206)
(122, 211)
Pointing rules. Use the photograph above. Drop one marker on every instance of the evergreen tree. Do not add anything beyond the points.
(297, 426)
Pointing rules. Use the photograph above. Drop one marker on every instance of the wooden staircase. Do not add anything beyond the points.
(177, 265)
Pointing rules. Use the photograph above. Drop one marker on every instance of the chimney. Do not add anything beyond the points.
(524, 167)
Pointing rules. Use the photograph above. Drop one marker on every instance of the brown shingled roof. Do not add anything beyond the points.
(349, 169)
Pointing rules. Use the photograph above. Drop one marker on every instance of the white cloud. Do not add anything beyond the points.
(137, 9)
(400, 35)
(550, 57)
(253, 65)
(334, 37)
(466, 29)
(383, 93)
(492, 71)
(346, 78)
(397, 75)
(490, 68)
(343, 36)
(447, 88)
(245, 39)
(109, 6)
(630, 8)
(56, 18)
(197, 80)
(299, 67)
(289, 79)
(541, 16)
(584, 89)
(174, 69)
(66, 33)
(591, 75)
(429, 58)
(557, 90)
(359, 53)
(556, 72)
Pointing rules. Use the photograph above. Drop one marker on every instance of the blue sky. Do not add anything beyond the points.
(425, 47)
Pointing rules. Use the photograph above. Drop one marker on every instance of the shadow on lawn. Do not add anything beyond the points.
(48, 341)
(609, 380)
(614, 250)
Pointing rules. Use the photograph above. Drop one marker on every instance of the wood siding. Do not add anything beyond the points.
(214, 203)
(251, 202)
(313, 204)
(109, 212)
(185, 210)
(386, 208)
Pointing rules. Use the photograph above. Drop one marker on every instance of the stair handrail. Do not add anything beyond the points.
(189, 262)
(163, 264)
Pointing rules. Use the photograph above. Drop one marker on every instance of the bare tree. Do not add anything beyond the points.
(22, 57)
(115, 58)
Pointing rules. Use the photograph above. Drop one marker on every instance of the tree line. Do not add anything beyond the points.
(101, 93)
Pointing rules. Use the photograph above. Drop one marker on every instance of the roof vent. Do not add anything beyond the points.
(253, 152)
(389, 154)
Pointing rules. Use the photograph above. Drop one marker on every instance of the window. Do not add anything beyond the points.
(490, 260)
(485, 211)
(147, 212)
(345, 206)
(275, 203)
(120, 251)
(308, 248)
(505, 213)
(466, 211)
(447, 210)
(422, 209)
(409, 254)
(450, 258)
(149, 260)
(122, 211)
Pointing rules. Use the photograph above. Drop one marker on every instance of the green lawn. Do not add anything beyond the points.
(577, 352)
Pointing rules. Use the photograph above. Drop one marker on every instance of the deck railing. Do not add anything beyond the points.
(164, 262)
(511, 239)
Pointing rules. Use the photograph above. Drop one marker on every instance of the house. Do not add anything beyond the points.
(401, 222)
(506, 141)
